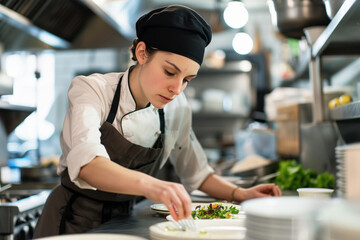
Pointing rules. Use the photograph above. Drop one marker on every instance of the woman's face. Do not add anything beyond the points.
(163, 76)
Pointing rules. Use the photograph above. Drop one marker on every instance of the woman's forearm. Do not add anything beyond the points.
(218, 188)
(106, 175)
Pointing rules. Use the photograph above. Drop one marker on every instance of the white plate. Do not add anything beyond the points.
(283, 207)
(159, 208)
(215, 230)
(93, 236)
(236, 217)
(162, 209)
(198, 193)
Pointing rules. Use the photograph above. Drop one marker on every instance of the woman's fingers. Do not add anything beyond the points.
(182, 202)
(174, 197)
(278, 191)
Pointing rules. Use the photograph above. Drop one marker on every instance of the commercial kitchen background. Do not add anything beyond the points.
(227, 96)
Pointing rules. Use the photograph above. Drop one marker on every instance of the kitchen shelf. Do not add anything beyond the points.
(8, 106)
(341, 36)
(347, 118)
(346, 112)
(12, 115)
(218, 115)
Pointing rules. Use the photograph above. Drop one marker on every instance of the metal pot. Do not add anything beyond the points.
(38, 173)
(290, 17)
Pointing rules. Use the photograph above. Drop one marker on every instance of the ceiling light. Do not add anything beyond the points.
(236, 15)
(242, 43)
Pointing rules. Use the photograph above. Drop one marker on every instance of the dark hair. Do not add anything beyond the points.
(149, 50)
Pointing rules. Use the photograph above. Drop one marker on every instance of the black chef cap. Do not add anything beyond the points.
(177, 29)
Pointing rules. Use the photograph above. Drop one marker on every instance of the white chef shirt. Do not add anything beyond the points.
(90, 99)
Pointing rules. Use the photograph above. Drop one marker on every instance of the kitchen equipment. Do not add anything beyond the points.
(38, 173)
(259, 174)
(19, 212)
(332, 6)
(290, 17)
(289, 119)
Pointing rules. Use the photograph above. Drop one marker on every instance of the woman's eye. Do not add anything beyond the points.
(169, 73)
(186, 81)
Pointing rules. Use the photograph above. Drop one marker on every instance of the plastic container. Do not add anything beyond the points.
(315, 192)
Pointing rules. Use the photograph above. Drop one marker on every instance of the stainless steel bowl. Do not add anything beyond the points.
(290, 17)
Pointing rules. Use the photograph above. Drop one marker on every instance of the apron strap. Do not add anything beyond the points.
(67, 215)
(162, 120)
(114, 104)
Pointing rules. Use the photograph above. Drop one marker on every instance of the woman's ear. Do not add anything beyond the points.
(140, 52)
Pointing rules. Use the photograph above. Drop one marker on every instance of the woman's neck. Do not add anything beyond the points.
(134, 84)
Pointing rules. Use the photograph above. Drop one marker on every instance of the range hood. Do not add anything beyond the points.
(57, 24)
(81, 24)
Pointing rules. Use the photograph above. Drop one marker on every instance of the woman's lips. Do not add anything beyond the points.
(165, 99)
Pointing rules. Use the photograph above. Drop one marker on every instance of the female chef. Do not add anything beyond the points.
(120, 129)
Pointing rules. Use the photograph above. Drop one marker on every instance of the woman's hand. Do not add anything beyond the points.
(258, 191)
(173, 195)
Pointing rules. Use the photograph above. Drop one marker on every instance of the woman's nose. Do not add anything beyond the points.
(176, 86)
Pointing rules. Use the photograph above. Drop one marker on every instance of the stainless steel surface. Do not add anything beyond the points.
(36, 25)
(318, 142)
(290, 17)
(316, 83)
(5, 187)
(348, 111)
(25, 25)
(136, 224)
(332, 6)
(341, 36)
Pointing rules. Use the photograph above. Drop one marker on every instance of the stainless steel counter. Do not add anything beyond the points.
(137, 224)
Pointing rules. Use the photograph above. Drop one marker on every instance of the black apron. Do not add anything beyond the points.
(70, 209)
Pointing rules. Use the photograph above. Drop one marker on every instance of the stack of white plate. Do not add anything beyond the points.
(341, 221)
(281, 218)
(340, 171)
(347, 168)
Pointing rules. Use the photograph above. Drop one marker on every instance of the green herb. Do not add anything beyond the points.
(171, 229)
(214, 211)
(292, 176)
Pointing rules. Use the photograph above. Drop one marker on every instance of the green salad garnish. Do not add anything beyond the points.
(214, 211)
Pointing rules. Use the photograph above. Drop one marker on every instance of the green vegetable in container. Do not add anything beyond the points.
(292, 176)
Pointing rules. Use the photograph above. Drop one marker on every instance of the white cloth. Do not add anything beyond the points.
(90, 100)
